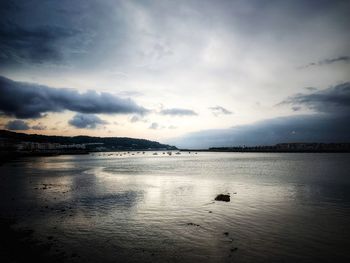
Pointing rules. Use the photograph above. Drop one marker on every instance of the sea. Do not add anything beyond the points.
(156, 207)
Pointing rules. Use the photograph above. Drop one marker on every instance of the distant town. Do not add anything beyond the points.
(12, 143)
(20, 144)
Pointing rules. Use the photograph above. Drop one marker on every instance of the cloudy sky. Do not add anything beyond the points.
(192, 73)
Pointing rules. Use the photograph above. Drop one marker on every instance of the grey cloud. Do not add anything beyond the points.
(36, 32)
(302, 128)
(296, 108)
(334, 100)
(154, 126)
(178, 112)
(39, 127)
(86, 121)
(17, 125)
(328, 61)
(218, 110)
(137, 118)
(27, 100)
(34, 45)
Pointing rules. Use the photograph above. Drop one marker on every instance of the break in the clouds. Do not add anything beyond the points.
(344, 59)
(17, 125)
(178, 112)
(28, 100)
(86, 121)
(334, 100)
(219, 110)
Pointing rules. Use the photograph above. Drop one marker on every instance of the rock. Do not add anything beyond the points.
(192, 224)
(226, 233)
(222, 197)
(234, 249)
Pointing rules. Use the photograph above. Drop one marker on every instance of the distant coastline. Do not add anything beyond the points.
(13, 145)
(284, 148)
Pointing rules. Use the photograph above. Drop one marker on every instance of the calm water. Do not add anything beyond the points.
(146, 208)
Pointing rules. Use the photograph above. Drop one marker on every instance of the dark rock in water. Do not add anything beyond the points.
(234, 249)
(192, 224)
(226, 233)
(222, 197)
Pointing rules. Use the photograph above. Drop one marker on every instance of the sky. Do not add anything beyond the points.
(190, 73)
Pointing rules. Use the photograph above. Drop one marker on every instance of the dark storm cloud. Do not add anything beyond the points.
(33, 45)
(27, 100)
(86, 121)
(302, 128)
(178, 112)
(334, 100)
(17, 125)
(328, 61)
(37, 32)
(218, 110)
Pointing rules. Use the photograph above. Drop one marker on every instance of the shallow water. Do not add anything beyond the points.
(285, 207)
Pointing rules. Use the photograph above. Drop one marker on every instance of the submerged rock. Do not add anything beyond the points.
(222, 197)
(192, 224)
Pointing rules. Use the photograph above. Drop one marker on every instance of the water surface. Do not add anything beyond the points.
(285, 207)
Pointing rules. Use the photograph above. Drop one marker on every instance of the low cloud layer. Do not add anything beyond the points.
(20, 125)
(17, 125)
(302, 128)
(178, 112)
(86, 121)
(329, 123)
(27, 100)
(218, 110)
(39, 127)
(334, 100)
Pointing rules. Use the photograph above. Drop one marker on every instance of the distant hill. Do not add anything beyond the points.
(111, 143)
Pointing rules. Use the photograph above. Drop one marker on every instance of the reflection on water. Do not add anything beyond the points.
(146, 208)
